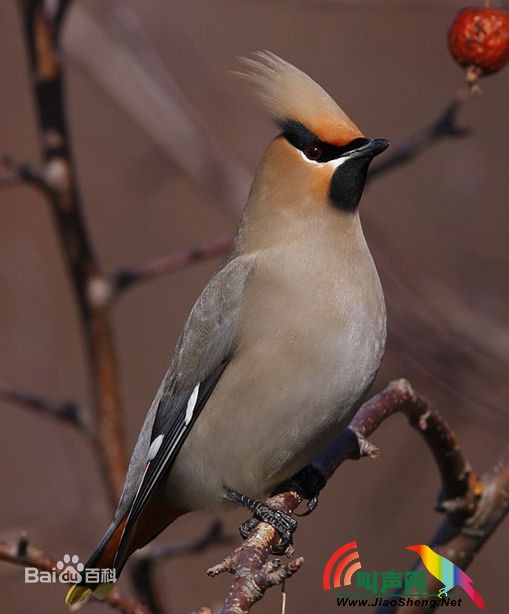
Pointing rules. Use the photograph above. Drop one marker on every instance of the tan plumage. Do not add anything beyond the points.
(288, 93)
(283, 342)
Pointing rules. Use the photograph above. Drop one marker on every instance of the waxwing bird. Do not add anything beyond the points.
(282, 344)
(448, 573)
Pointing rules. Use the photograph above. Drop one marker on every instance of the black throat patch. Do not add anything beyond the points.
(347, 183)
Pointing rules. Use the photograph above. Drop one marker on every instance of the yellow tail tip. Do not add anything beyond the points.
(79, 593)
(76, 594)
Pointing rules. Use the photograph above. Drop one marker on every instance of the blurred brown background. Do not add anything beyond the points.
(438, 230)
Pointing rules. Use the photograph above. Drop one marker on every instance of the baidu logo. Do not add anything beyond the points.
(67, 570)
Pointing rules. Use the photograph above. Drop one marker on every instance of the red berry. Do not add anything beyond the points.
(479, 38)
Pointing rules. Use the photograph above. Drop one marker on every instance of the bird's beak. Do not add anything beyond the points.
(371, 149)
(414, 548)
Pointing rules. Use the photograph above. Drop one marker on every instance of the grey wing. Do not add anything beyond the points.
(202, 353)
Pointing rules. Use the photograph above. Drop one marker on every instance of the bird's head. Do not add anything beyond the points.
(320, 158)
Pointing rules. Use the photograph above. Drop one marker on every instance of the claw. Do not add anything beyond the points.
(311, 506)
(283, 522)
(246, 527)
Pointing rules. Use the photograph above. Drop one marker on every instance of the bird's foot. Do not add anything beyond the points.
(284, 524)
(308, 483)
(442, 593)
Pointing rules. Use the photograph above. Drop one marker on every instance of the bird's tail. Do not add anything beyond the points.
(474, 595)
(100, 572)
(103, 568)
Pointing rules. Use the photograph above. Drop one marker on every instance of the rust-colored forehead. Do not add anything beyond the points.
(333, 130)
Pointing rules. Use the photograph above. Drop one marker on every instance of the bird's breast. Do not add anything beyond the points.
(316, 305)
(311, 336)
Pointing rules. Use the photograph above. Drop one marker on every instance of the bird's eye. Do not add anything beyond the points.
(313, 152)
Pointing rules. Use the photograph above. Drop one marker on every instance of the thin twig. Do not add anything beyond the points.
(21, 553)
(23, 172)
(444, 126)
(68, 411)
(125, 278)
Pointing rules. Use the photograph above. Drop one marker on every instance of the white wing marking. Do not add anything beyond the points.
(191, 404)
(154, 447)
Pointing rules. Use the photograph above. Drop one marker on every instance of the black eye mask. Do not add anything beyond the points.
(312, 147)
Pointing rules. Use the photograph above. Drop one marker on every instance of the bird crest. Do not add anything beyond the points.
(288, 94)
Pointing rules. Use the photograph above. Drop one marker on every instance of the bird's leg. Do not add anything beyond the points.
(307, 483)
(442, 593)
(284, 524)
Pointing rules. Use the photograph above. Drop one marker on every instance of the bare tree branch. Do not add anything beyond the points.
(68, 411)
(460, 542)
(125, 278)
(466, 500)
(444, 126)
(22, 172)
(58, 179)
(253, 571)
(461, 486)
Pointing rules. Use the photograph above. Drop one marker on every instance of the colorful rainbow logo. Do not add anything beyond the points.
(447, 572)
(345, 569)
